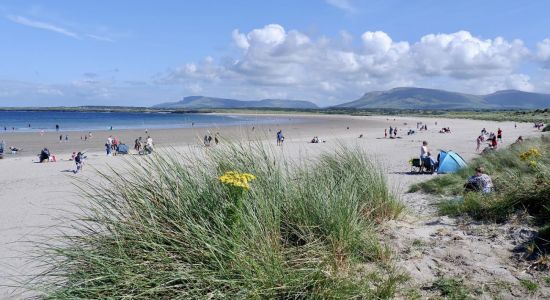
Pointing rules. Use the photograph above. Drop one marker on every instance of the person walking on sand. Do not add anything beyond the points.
(499, 135)
(385, 133)
(60, 138)
(280, 138)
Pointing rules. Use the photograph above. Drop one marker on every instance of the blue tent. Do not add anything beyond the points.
(449, 162)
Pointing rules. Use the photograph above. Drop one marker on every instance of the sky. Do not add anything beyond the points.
(140, 53)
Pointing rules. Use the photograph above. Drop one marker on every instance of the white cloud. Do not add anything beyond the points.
(543, 53)
(274, 59)
(344, 5)
(42, 25)
(462, 55)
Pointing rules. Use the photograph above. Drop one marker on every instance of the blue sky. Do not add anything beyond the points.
(146, 52)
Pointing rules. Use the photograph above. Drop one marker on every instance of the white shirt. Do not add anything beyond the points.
(423, 151)
(110, 141)
(150, 142)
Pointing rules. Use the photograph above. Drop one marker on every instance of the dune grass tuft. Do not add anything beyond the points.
(169, 228)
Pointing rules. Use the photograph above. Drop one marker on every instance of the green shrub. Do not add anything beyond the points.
(167, 228)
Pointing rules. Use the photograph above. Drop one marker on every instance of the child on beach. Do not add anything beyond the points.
(280, 138)
(499, 135)
(79, 161)
(385, 133)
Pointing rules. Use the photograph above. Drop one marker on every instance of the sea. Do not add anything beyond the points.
(45, 121)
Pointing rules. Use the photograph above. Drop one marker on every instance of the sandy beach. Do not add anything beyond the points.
(34, 196)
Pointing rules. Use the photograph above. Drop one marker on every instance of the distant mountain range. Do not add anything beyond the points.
(198, 102)
(397, 98)
(420, 98)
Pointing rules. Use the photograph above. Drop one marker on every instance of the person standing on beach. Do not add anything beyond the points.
(57, 127)
(60, 138)
(499, 135)
(79, 162)
(66, 138)
(108, 149)
(478, 141)
(280, 138)
(385, 133)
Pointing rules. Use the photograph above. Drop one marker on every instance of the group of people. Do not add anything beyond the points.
(479, 182)
(393, 132)
(539, 125)
(315, 139)
(492, 138)
(144, 147)
(445, 130)
(207, 140)
(111, 147)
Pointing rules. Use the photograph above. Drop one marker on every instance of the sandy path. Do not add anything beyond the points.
(33, 196)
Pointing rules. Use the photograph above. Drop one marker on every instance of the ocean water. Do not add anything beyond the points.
(35, 121)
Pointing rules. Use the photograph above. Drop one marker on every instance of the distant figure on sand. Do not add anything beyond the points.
(499, 135)
(385, 133)
(280, 138)
(60, 138)
(56, 127)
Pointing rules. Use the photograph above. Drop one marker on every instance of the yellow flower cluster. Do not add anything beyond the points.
(237, 179)
(530, 154)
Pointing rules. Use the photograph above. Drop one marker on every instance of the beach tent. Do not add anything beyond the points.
(449, 162)
(122, 149)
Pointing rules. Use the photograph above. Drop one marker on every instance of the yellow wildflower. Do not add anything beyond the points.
(237, 179)
(530, 154)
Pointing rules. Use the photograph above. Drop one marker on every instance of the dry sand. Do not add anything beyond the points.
(34, 196)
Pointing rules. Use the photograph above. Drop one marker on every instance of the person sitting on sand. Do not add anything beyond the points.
(14, 150)
(315, 140)
(44, 155)
(479, 182)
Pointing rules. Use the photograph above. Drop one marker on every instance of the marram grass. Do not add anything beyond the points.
(172, 227)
